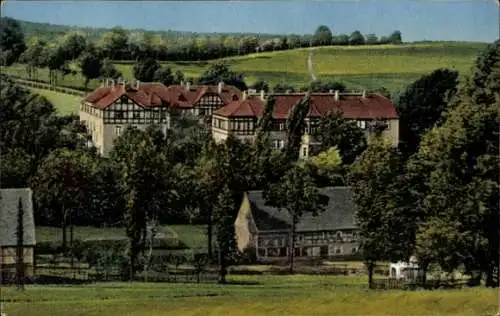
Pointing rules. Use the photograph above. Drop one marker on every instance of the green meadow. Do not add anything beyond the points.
(64, 103)
(367, 67)
(253, 295)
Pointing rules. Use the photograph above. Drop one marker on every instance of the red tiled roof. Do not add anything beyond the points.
(372, 106)
(156, 94)
(243, 108)
(195, 93)
(148, 95)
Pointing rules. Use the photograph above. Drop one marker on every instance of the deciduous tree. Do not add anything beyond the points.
(334, 130)
(422, 105)
(145, 69)
(298, 195)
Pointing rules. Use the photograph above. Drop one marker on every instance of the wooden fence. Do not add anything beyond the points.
(392, 284)
(46, 86)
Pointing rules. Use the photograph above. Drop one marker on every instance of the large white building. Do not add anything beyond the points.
(111, 107)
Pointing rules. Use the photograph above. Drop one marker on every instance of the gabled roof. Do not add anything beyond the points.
(9, 202)
(155, 94)
(242, 108)
(372, 106)
(148, 95)
(338, 214)
(193, 94)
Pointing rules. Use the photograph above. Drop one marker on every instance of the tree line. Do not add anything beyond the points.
(120, 44)
(73, 53)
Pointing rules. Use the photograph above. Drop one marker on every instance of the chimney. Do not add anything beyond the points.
(138, 84)
(221, 85)
(106, 83)
(188, 85)
(364, 94)
(262, 95)
(287, 91)
(336, 95)
(182, 83)
(244, 97)
(331, 91)
(112, 83)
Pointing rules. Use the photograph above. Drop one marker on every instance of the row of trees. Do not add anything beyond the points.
(74, 53)
(437, 195)
(120, 44)
(323, 36)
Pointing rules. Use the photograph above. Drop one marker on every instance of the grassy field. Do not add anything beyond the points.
(193, 236)
(368, 67)
(64, 103)
(271, 295)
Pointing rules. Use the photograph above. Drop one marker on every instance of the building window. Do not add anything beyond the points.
(137, 114)
(118, 130)
(362, 124)
(304, 151)
(119, 114)
(281, 126)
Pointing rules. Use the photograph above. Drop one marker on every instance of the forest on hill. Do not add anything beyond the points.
(129, 44)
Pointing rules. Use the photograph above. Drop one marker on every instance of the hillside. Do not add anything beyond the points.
(362, 67)
(51, 31)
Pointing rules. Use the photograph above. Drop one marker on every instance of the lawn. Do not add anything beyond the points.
(54, 234)
(193, 236)
(64, 103)
(272, 295)
(368, 67)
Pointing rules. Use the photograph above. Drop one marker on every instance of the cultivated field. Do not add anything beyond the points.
(368, 67)
(262, 295)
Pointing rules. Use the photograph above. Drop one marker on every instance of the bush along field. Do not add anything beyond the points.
(358, 67)
(249, 295)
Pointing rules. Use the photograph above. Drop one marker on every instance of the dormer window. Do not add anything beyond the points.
(235, 97)
(182, 97)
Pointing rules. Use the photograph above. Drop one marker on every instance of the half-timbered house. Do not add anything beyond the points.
(263, 231)
(239, 118)
(202, 101)
(109, 109)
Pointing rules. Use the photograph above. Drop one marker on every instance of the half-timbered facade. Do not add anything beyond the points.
(264, 232)
(109, 109)
(239, 118)
(203, 101)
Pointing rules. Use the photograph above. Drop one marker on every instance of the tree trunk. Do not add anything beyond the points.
(371, 267)
(490, 278)
(209, 233)
(131, 269)
(20, 248)
(223, 267)
(292, 244)
(71, 229)
(64, 237)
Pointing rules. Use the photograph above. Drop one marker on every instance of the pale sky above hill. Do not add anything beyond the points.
(474, 20)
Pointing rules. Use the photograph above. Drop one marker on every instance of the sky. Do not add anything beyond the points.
(461, 20)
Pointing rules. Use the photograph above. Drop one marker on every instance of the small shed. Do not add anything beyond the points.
(9, 205)
(405, 270)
